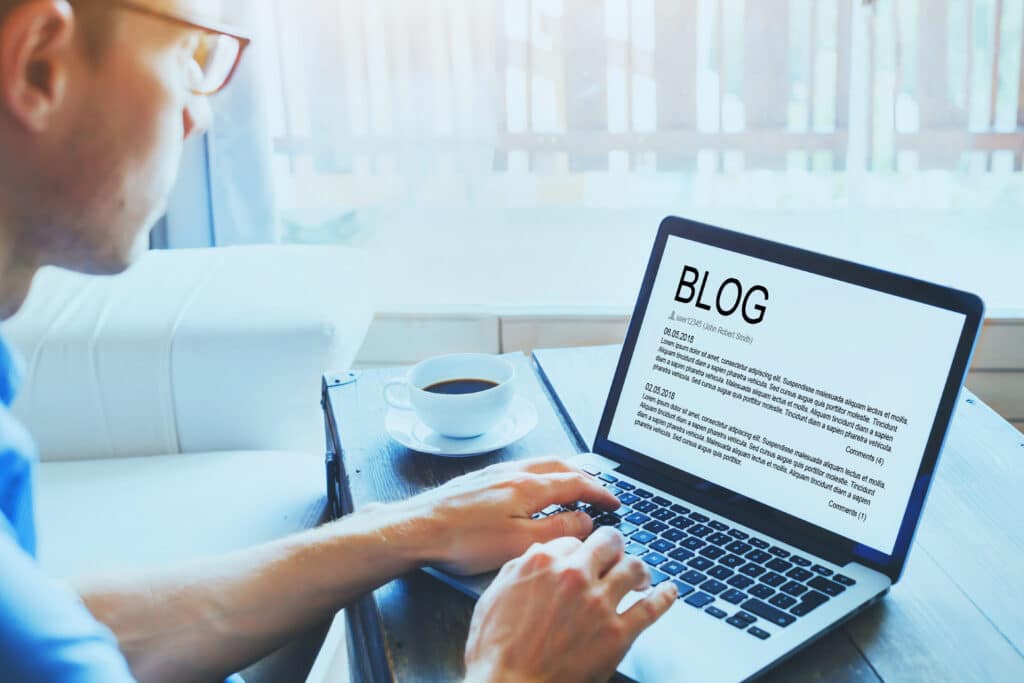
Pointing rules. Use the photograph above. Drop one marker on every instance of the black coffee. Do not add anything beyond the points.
(461, 386)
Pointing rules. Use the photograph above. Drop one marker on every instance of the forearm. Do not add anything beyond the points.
(207, 620)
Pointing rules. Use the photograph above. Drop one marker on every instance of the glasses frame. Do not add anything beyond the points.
(209, 27)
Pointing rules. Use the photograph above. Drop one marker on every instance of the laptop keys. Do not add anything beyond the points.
(825, 586)
(700, 599)
(719, 572)
(808, 603)
(712, 551)
(739, 547)
(740, 581)
(672, 567)
(637, 518)
(635, 549)
(658, 515)
(768, 613)
(752, 569)
(681, 522)
(718, 538)
(700, 563)
(657, 577)
(782, 601)
(644, 506)
(654, 559)
(778, 565)
(684, 589)
(693, 578)
(732, 561)
(794, 588)
(693, 543)
(758, 556)
(655, 527)
(799, 574)
(661, 545)
(642, 537)
(681, 554)
(741, 620)
(625, 528)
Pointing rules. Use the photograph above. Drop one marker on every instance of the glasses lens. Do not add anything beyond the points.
(215, 57)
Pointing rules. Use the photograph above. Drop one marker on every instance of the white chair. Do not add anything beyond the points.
(176, 406)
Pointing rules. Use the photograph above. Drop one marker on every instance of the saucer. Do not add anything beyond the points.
(405, 428)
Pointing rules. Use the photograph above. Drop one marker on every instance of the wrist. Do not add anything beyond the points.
(408, 533)
(492, 672)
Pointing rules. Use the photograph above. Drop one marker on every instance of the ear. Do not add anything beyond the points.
(35, 42)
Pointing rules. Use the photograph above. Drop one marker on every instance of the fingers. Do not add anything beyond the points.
(630, 574)
(649, 609)
(601, 551)
(569, 487)
(541, 556)
(575, 524)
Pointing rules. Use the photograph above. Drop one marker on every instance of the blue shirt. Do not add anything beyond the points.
(46, 634)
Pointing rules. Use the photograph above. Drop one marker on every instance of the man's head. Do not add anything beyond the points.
(96, 100)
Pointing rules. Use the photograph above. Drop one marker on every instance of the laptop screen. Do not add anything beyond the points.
(810, 395)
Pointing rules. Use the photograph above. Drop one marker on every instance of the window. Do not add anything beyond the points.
(557, 133)
(665, 104)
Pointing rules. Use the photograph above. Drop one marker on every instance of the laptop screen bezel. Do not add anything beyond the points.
(768, 520)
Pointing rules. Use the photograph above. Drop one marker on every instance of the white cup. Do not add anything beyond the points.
(459, 416)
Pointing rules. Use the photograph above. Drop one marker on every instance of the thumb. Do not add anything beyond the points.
(576, 524)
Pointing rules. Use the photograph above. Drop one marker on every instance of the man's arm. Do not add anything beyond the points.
(213, 618)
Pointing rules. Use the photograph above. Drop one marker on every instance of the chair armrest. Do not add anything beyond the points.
(189, 351)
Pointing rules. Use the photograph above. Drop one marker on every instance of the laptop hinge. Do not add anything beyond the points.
(744, 511)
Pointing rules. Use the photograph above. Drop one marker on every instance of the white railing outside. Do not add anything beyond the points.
(650, 103)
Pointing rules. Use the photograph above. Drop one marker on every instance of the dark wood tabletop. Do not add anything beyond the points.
(957, 614)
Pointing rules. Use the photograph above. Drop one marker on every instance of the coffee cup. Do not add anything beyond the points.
(460, 396)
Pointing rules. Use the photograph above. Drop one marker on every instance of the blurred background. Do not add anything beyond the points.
(506, 162)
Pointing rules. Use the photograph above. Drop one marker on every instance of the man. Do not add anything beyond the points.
(96, 99)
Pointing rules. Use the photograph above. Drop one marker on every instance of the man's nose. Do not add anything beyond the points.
(197, 116)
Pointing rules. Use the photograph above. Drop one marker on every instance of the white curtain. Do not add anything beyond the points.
(664, 104)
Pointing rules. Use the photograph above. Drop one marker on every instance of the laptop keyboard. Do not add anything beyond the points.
(725, 572)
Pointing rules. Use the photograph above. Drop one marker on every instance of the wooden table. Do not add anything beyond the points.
(957, 614)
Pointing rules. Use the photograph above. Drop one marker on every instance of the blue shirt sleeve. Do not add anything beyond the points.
(46, 634)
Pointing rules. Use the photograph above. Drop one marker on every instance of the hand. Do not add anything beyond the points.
(479, 521)
(551, 615)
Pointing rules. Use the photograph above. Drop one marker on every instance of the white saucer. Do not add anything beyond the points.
(405, 428)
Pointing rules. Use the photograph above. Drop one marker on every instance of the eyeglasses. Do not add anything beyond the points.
(217, 52)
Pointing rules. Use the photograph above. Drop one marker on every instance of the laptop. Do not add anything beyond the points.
(772, 429)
